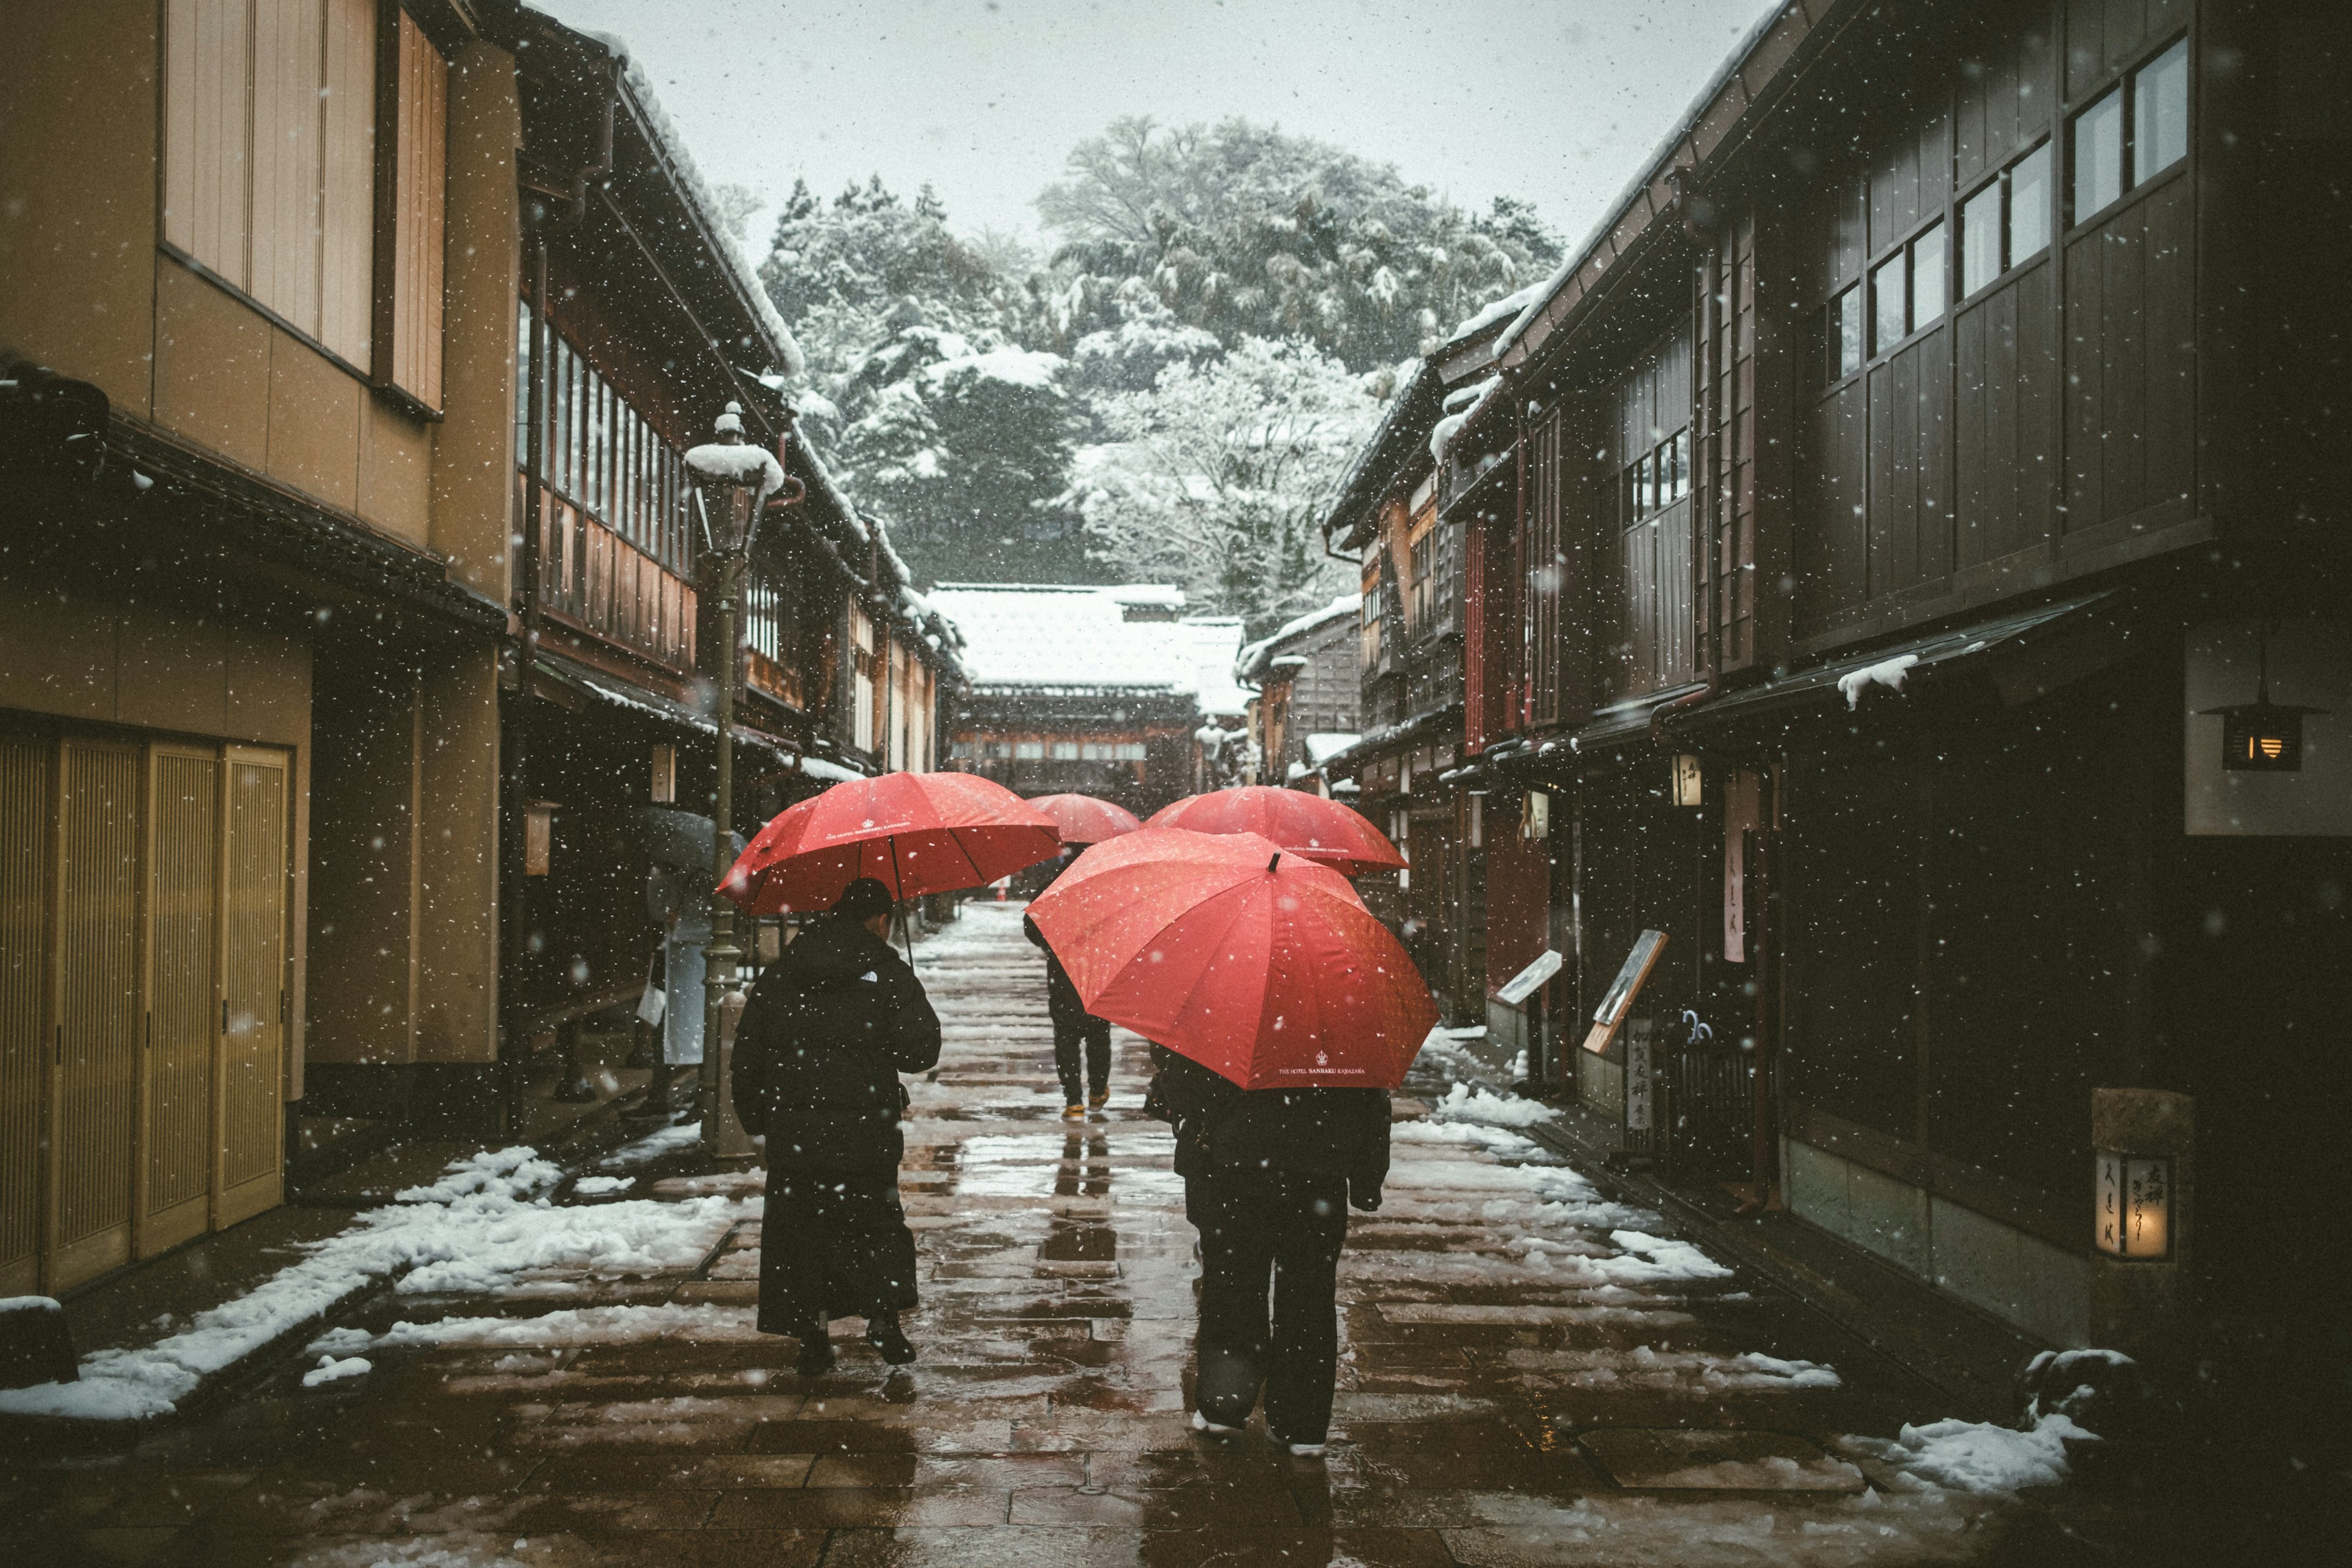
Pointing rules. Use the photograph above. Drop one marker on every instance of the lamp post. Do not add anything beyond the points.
(733, 484)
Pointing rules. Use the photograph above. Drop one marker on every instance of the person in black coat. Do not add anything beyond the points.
(1074, 1027)
(823, 1039)
(1268, 1176)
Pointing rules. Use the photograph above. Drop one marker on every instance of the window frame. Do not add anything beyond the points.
(2124, 87)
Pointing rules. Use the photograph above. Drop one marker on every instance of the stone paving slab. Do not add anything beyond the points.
(1500, 1341)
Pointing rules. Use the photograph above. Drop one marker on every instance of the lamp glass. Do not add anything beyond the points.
(2133, 1206)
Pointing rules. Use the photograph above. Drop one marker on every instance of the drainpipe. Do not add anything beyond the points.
(513, 1040)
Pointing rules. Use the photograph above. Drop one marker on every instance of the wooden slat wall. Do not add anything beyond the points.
(347, 160)
(269, 164)
(25, 768)
(289, 52)
(252, 1048)
(97, 1023)
(417, 167)
(207, 119)
(183, 1002)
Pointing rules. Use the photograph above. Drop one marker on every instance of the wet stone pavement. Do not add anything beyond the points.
(1530, 1375)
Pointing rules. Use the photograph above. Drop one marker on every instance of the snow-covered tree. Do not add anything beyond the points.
(920, 390)
(1239, 229)
(1218, 476)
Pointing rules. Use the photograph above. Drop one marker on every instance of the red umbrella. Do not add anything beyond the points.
(919, 833)
(1324, 831)
(1254, 962)
(1083, 819)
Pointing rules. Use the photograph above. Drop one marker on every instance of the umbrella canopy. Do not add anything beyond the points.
(1255, 963)
(1083, 819)
(679, 840)
(917, 833)
(1324, 831)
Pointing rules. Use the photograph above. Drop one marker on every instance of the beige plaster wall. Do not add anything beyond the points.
(78, 181)
(474, 455)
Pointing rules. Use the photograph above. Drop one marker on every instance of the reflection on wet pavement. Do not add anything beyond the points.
(1529, 1374)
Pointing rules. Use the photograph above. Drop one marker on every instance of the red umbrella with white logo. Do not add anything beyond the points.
(1259, 965)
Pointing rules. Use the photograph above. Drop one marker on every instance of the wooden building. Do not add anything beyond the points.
(1109, 691)
(1899, 503)
(1308, 686)
(347, 595)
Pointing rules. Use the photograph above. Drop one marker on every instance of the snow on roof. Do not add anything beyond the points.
(1441, 433)
(1253, 658)
(1055, 636)
(669, 144)
(1321, 746)
(1501, 310)
(1214, 642)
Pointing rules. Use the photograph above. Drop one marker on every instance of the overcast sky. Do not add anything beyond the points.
(1556, 102)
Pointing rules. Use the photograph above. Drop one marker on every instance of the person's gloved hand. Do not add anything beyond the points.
(1370, 1202)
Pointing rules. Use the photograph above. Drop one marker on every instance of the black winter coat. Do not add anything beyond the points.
(1221, 1128)
(1063, 1003)
(823, 1038)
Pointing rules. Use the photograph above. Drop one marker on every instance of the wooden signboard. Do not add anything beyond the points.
(1523, 985)
(1609, 1017)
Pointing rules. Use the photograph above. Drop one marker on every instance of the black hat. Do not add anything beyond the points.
(864, 898)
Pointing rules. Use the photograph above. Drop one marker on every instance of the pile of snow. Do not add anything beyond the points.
(1978, 1457)
(330, 1370)
(1888, 673)
(666, 1140)
(1441, 433)
(484, 1224)
(1462, 1103)
(572, 1326)
(1025, 368)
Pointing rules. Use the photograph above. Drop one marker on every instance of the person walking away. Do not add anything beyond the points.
(1074, 1028)
(1268, 1176)
(823, 1036)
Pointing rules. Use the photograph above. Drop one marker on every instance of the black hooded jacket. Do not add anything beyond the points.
(1064, 1006)
(1223, 1130)
(823, 1038)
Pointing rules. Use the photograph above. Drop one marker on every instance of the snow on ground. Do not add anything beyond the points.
(1978, 1457)
(483, 1225)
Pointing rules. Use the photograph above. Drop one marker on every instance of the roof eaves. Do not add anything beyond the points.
(1732, 97)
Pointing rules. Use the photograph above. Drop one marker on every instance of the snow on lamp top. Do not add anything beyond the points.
(729, 463)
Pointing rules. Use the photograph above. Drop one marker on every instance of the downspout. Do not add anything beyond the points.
(1702, 505)
(512, 1041)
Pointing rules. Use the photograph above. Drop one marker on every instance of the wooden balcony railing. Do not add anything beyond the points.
(597, 581)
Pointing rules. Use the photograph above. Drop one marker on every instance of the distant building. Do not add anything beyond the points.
(1306, 705)
(1110, 692)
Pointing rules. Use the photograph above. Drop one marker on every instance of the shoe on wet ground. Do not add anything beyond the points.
(816, 1354)
(1073, 1111)
(889, 1341)
(1213, 1429)
(1095, 1102)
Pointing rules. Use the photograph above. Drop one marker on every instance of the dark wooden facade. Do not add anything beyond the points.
(1966, 339)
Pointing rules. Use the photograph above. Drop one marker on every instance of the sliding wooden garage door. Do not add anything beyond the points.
(184, 1011)
(25, 764)
(253, 986)
(96, 1025)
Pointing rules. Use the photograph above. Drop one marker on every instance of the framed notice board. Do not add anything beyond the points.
(1609, 1017)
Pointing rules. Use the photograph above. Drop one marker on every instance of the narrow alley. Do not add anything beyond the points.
(1529, 1374)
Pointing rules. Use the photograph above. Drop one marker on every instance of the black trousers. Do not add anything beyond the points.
(1258, 1226)
(833, 1243)
(1068, 1035)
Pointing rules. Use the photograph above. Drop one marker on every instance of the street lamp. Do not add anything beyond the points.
(733, 483)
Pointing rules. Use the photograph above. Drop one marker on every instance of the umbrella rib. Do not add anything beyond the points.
(956, 839)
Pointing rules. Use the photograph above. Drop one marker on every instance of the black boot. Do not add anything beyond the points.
(882, 1332)
(816, 1350)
